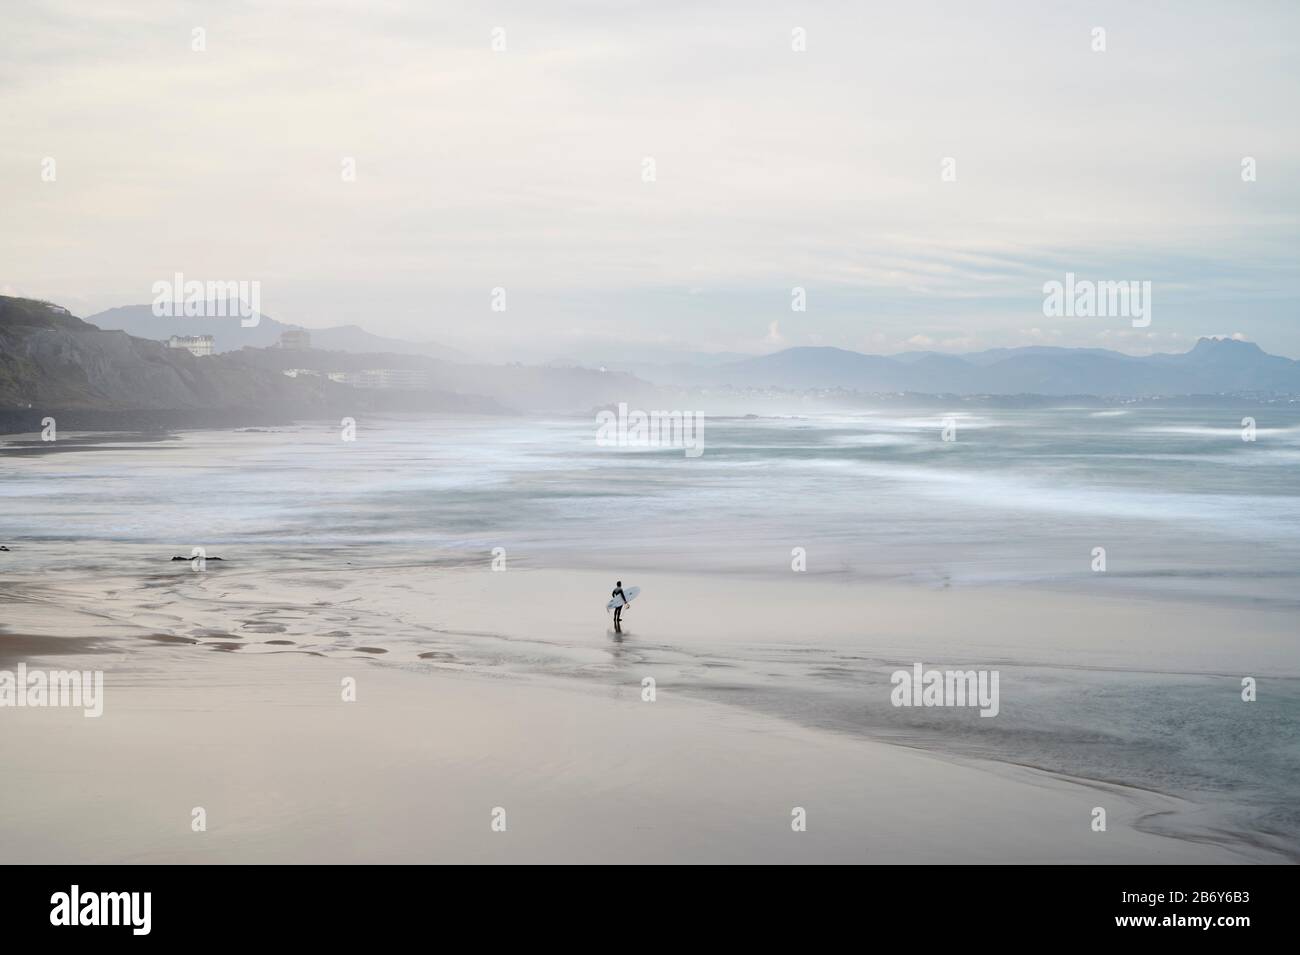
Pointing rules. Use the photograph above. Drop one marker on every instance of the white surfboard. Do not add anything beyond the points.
(628, 592)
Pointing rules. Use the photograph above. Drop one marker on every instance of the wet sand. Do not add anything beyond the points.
(223, 690)
(413, 770)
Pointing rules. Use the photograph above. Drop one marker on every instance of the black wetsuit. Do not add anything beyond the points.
(618, 611)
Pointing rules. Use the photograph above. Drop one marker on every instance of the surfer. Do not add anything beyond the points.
(620, 596)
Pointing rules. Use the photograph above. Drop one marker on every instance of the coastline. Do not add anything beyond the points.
(413, 770)
(227, 682)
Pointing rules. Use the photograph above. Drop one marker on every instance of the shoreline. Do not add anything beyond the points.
(456, 639)
(286, 772)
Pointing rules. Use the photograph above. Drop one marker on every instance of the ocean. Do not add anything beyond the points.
(1180, 503)
(1183, 512)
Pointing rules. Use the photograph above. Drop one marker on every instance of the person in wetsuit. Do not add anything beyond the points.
(618, 611)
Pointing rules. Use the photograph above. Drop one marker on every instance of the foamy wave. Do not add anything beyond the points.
(1205, 431)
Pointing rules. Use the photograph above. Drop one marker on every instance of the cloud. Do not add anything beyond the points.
(522, 169)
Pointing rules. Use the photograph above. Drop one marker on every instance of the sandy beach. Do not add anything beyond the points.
(223, 690)
(412, 771)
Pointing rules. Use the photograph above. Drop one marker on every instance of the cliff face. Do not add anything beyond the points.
(95, 380)
(50, 360)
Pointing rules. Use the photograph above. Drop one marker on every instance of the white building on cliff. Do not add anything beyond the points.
(197, 345)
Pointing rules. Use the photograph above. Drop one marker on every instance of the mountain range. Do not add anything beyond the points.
(229, 334)
(1214, 366)
(52, 361)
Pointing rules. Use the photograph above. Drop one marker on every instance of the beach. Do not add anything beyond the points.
(793, 578)
(413, 770)
(224, 690)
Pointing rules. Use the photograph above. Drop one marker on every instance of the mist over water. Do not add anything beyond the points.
(1182, 505)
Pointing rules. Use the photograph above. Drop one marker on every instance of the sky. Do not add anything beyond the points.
(658, 177)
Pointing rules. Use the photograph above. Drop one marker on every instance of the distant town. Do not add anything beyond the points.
(299, 339)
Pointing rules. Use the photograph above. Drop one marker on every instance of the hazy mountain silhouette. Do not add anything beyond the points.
(229, 335)
(53, 361)
(1213, 366)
